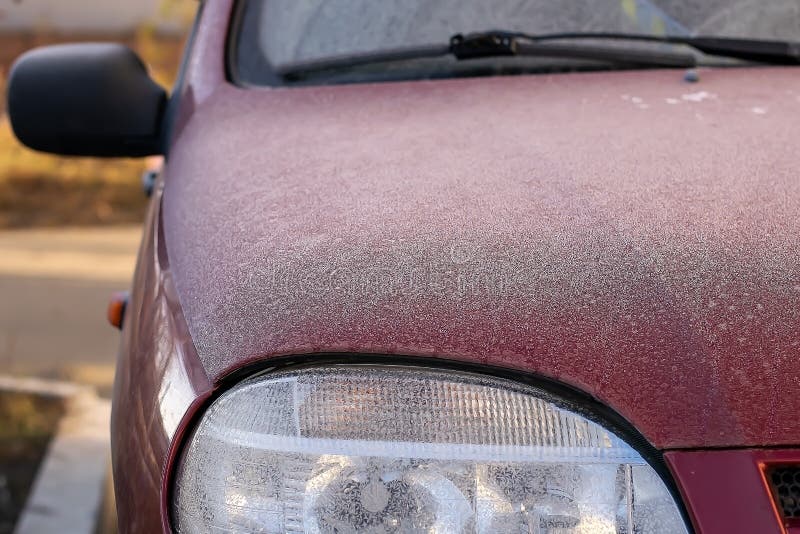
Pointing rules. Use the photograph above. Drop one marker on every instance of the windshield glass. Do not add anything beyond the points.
(276, 34)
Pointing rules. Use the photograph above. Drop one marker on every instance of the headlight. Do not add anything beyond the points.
(400, 450)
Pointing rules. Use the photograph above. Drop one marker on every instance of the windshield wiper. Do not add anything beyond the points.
(502, 43)
(493, 44)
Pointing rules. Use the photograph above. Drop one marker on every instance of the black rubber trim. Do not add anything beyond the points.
(233, 60)
(559, 393)
(232, 44)
(173, 104)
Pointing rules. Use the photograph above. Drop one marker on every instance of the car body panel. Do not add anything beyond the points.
(626, 233)
(158, 380)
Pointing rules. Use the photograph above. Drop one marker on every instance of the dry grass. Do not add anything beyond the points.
(43, 190)
(28, 416)
(27, 423)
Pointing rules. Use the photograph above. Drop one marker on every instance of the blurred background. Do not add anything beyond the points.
(69, 230)
(68, 226)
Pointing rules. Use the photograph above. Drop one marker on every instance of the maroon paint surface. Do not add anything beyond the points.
(583, 227)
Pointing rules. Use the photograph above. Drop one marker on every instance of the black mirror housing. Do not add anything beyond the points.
(89, 99)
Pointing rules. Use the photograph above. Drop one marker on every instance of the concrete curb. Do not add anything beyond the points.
(67, 494)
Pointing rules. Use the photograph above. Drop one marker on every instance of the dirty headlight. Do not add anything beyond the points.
(400, 450)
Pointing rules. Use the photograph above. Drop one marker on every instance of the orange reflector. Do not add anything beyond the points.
(116, 309)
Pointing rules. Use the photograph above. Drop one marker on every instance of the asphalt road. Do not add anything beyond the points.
(54, 287)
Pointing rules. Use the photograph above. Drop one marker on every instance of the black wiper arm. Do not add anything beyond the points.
(758, 50)
(492, 44)
(500, 43)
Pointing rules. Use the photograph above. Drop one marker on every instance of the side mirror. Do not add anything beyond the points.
(86, 100)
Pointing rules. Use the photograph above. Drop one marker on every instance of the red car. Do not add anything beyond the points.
(404, 272)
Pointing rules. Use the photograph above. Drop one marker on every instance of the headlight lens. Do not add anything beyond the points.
(399, 450)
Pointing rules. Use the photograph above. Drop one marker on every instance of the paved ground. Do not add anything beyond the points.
(54, 287)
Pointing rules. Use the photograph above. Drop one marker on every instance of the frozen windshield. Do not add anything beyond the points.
(284, 32)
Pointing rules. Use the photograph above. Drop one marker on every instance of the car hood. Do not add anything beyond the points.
(626, 233)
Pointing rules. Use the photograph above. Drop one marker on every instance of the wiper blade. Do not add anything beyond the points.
(758, 50)
(492, 44)
(300, 68)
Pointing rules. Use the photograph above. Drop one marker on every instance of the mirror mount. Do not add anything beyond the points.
(92, 99)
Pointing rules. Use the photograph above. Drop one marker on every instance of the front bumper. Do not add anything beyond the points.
(727, 491)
